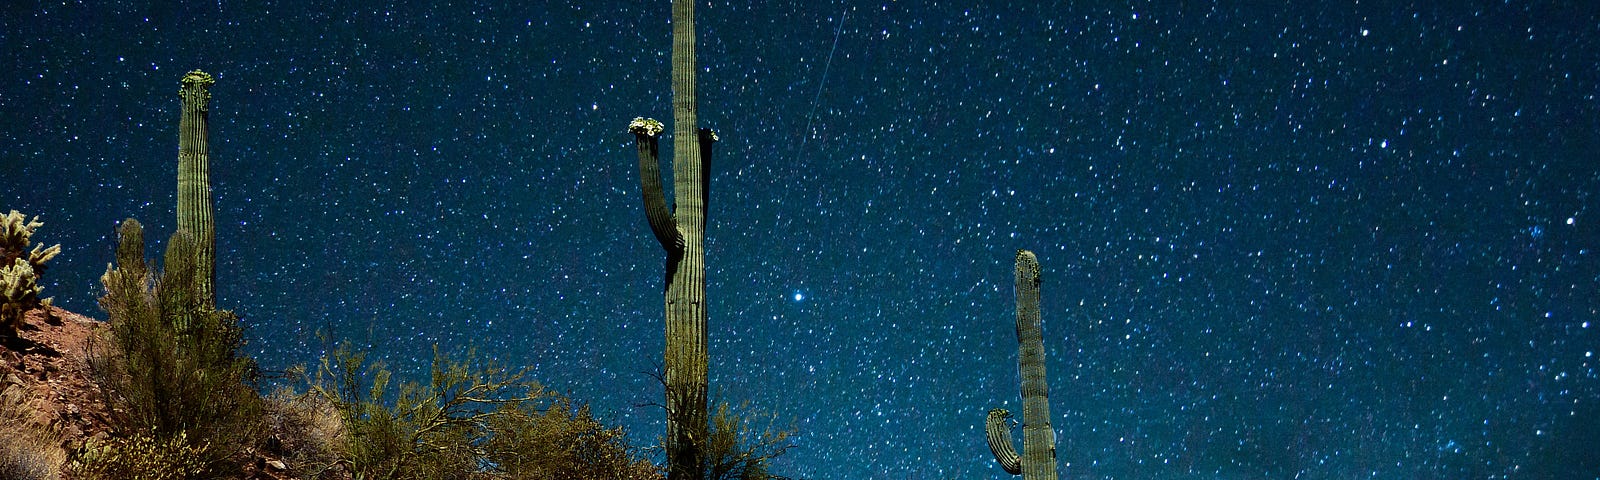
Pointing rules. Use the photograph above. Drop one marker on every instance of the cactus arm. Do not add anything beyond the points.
(999, 433)
(707, 139)
(179, 282)
(130, 246)
(19, 292)
(127, 282)
(40, 254)
(647, 133)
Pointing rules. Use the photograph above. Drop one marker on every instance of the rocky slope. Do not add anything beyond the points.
(47, 362)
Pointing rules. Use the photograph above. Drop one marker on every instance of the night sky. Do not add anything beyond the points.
(1277, 242)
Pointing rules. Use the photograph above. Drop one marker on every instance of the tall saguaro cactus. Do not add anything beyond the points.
(1038, 461)
(681, 233)
(194, 179)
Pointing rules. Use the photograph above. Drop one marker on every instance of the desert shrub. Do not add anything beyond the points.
(143, 456)
(170, 363)
(739, 445)
(470, 420)
(27, 452)
(561, 442)
(23, 458)
(20, 269)
(304, 429)
(743, 446)
(426, 431)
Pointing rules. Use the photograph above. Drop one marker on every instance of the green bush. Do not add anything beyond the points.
(143, 456)
(425, 434)
(743, 447)
(467, 422)
(303, 429)
(170, 364)
(561, 442)
(740, 446)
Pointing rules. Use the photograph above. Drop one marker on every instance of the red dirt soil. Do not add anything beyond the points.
(48, 360)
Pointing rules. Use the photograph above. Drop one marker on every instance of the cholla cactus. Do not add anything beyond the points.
(20, 268)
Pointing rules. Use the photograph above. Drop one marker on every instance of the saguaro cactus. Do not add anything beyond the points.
(194, 179)
(681, 233)
(1038, 461)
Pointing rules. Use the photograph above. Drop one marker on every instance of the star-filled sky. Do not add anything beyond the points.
(1308, 241)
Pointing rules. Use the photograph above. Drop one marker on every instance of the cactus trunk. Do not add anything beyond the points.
(1038, 460)
(686, 291)
(194, 180)
(681, 232)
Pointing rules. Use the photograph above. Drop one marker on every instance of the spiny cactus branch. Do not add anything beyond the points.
(647, 134)
(998, 429)
(708, 139)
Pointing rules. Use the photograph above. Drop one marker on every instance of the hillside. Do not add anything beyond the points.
(50, 404)
(46, 366)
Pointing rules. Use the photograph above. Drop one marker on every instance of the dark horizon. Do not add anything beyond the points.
(1275, 242)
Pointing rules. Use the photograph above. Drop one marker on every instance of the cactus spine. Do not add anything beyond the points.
(681, 232)
(194, 179)
(1038, 461)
